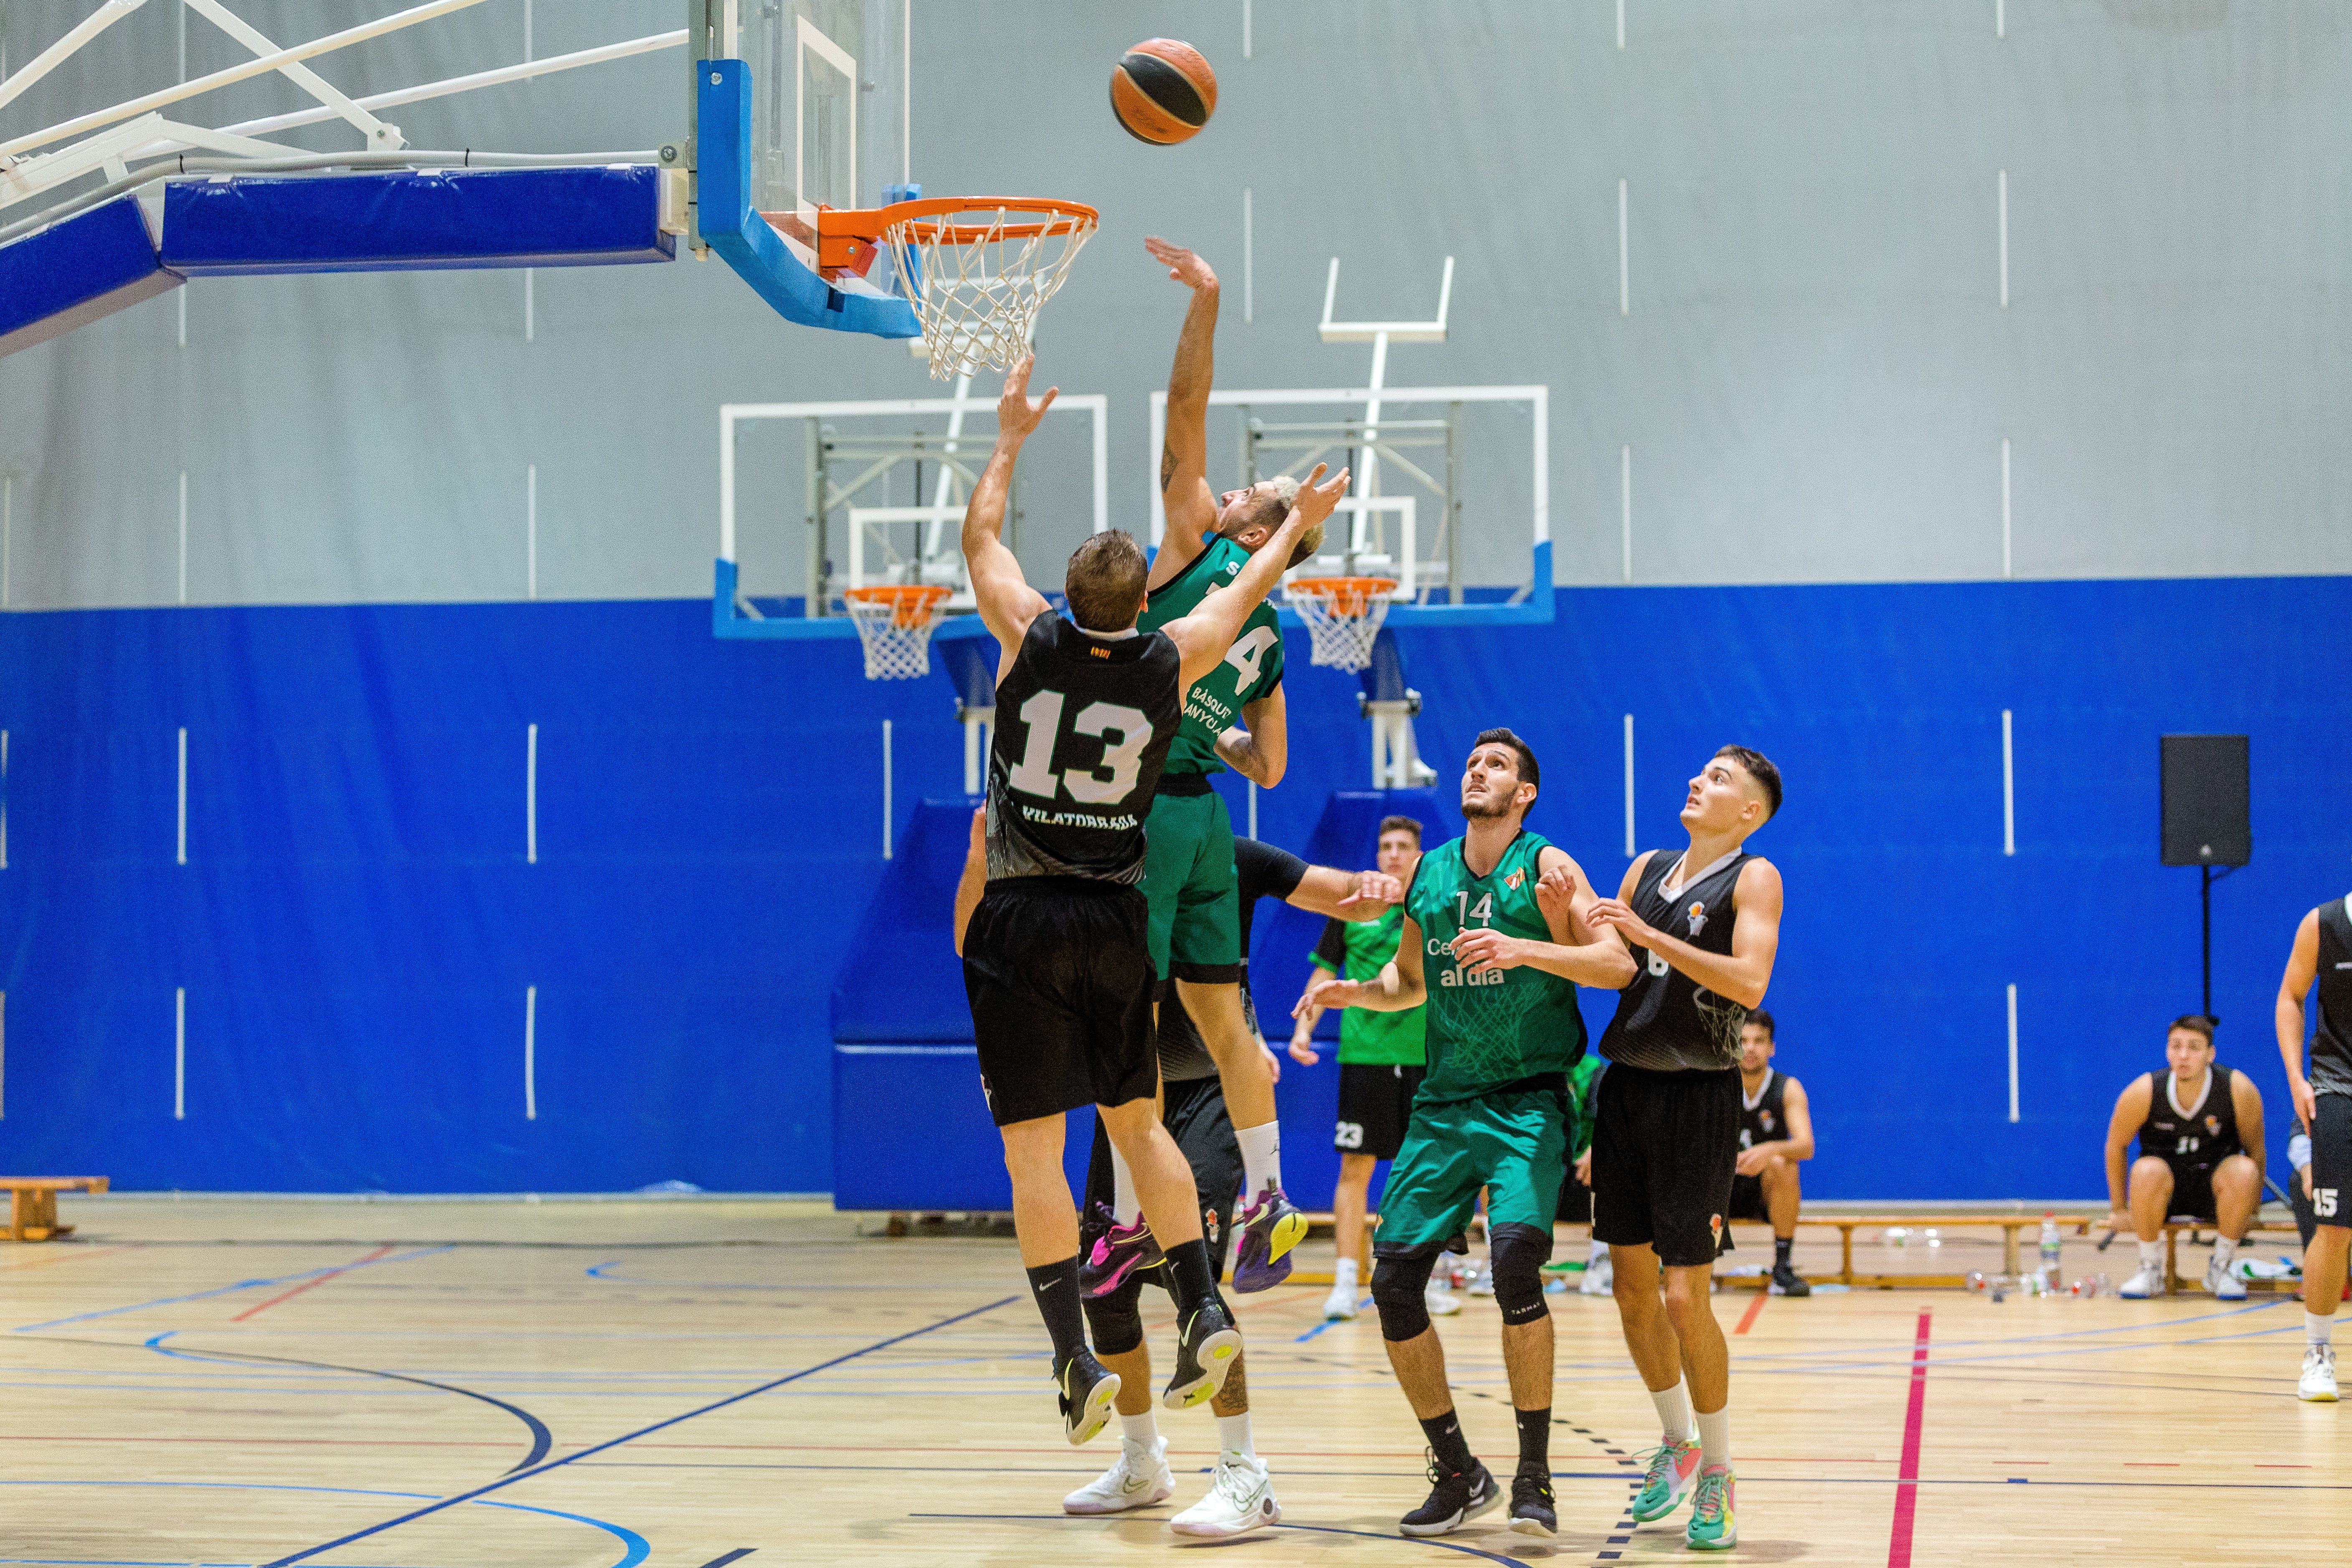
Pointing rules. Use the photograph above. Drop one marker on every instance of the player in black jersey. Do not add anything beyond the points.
(1775, 1136)
(2200, 1127)
(1704, 925)
(1055, 962)
(2322, 957)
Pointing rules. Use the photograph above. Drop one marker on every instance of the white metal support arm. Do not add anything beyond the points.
(380, 138)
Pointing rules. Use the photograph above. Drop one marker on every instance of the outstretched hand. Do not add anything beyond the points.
(1316, 502)
(1333, 992)
(1184, 265)
(1015, 414)
(1375, 887)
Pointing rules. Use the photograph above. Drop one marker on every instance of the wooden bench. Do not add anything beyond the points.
(2011, 1225)
(33, 1203)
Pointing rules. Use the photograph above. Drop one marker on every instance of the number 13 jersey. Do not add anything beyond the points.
(1083, 725)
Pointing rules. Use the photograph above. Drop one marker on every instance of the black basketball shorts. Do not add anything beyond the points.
(1059, 976)
(2331, 1161)
(1193, 1111)
(1375, 1103)
(2192, 1193)
(1747, 1199)
(1664, 1148)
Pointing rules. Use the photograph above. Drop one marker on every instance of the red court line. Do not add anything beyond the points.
(1748, 1317)
(1907, 1490)
(311, 1284)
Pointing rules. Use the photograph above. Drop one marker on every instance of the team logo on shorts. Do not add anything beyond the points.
(1696, 916)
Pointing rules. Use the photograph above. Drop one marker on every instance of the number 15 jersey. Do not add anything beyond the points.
(1083, 726)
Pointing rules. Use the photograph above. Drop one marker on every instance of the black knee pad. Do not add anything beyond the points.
(1115, 1322)
(1517, 1253)
(1397, 1287)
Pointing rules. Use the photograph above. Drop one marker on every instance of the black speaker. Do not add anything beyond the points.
(2205, 801)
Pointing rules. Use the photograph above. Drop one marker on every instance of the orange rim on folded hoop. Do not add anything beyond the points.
(1343, 616)
(977, 270)
(894, 624)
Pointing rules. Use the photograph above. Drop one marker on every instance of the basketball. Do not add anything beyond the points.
(1162, 91)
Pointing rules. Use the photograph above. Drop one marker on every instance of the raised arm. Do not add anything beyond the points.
(2301, 969)
(1345, 895)
(1203, 637)
(1400, 988)
(1576, 952)
(1007, 603)
(1184, 494)
(1746, 972)
(2131, 1111)
(1258, 748)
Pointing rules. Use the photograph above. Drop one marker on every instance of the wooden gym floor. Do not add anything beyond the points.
(513, 1386)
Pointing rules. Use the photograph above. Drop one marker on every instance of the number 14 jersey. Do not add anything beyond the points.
(1083, 726)
(1500, 1026)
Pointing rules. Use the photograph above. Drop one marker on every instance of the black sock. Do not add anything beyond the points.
(1446, 1441)
(1054, 1288)
(1535, 1439)
(1189, 1272)
(1781, 1244)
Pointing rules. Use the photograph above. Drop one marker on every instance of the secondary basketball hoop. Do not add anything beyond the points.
(1343, 616)
(894, 623)
(977, 270)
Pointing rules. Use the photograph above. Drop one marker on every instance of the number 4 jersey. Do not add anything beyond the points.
(1083, 724)
(1251, 669)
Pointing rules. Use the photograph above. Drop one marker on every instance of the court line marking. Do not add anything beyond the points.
(1748, 1318)
(1317, 1528)
(542, 1439)
(310, 1285)
(724, 1558)
(1327, 1322)
(512, 1477)
(1905, 1347)
(1906, 1488)
(222, 1291)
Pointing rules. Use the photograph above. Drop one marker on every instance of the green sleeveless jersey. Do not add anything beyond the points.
(1251, 667)
(1488, 1030)
(1359, 951)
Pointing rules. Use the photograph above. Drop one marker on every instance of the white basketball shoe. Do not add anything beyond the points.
(1240, 1500)
(1137, 1478)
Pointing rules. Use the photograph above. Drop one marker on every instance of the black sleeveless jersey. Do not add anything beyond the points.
(1766, 1119)
(2204, 1137)
(2331, 1042)
(1667, 1022)
(1083, 724)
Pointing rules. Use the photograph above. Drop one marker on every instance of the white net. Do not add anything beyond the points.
(894, 626)
(1343, 616)
(977, 285)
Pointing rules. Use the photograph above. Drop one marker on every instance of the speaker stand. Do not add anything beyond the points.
(2207, 876)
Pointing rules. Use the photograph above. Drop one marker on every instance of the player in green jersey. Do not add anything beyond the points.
(1233, 717)
(1497, 939)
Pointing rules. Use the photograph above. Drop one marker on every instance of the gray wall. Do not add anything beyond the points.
(1815, 377)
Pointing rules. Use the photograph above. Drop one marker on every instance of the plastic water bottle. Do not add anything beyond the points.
(2050, 1257)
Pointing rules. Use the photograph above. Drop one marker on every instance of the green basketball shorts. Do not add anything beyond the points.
(1188, 877)
(1514, 1146)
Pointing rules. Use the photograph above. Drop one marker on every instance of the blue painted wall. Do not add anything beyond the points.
(357, 922)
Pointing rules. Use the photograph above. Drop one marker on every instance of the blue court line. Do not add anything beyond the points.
(231, 1289)
(635, 1549)
(513, 1475)
(1312, 1528)
(1327, 1322)
(542, 1439)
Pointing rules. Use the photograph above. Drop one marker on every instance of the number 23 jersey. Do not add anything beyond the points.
(1083, 727)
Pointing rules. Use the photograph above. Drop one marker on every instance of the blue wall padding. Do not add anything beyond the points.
(90, 266)
(409, 222)
(917, 1135)
(357, 922)
(902, 982)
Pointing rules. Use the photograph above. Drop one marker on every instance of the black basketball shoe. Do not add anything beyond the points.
(1454, 1501)
(1787, 1281)
(1532, 1511)
(1088, 1388)
(1206, 1345)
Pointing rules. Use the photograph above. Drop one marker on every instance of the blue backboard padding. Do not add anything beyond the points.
(920, 1139)
(727, 620)
(746, 241)
(902, 982)
(407, 221)
(90, 266)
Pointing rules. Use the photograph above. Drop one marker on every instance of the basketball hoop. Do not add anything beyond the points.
(1343, 615)
(977, 270)
(894, 623)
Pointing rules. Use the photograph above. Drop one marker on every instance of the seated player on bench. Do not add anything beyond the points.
(1776, 1132)
(2200, 1127)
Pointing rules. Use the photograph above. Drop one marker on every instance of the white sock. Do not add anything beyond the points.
(1715, 1437)
(1261, 1157)
(1674, 1411)
(2224, 1249)
(2315, 1327)
(1233, 1435)
(1125, 1205)
(1139, 1432)
(1600, 1253)
(2151, 1255)
(1343, 1272)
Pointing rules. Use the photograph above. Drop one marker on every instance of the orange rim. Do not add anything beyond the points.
(845, 235)
(1347, 595)
(911, 603)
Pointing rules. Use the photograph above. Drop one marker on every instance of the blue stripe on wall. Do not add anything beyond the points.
(356, 924)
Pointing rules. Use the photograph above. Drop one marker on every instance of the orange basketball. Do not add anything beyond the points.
(1162, 91)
